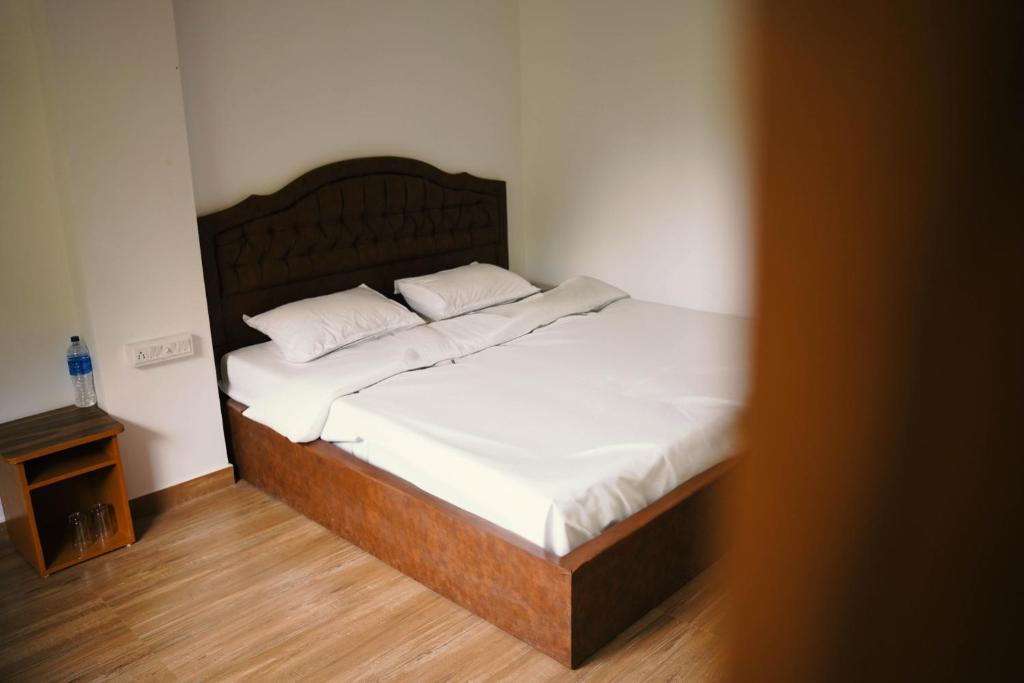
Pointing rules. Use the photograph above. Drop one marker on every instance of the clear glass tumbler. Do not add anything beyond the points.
(81, 534)
(102, 518)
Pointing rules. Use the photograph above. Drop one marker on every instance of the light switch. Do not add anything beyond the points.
(158, 350)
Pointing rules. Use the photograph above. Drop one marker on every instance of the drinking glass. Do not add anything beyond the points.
(102, 520)
(81, 535)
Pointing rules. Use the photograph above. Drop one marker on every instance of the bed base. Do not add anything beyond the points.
(566, 607)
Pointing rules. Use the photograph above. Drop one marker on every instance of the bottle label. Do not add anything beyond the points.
(80, 365)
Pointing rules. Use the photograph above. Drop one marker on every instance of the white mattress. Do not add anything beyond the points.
(253, 372)
(555, 435)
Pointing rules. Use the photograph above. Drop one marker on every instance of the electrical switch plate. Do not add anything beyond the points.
(152, 351)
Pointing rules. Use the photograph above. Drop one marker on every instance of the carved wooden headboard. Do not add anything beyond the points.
(370, 220)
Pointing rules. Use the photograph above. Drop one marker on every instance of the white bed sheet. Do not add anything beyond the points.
(555, 435)
(255, 371)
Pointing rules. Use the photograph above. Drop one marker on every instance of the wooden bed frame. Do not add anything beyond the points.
(375, 220)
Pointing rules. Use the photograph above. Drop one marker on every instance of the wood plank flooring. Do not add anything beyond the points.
(237, 586)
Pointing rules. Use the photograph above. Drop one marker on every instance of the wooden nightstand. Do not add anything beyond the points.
(55, 463)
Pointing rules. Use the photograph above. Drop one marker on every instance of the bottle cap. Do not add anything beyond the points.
(75, 338)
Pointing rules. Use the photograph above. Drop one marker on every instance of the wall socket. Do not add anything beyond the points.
(152, 351)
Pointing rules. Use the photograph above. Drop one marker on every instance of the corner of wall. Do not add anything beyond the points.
(115, 122)
(58, 160)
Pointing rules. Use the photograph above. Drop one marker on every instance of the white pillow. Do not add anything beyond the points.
(309, 328)
(462, 290)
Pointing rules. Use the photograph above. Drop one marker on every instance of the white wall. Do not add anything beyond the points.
(627, 161)
(633, 148)
(36, 301)
(273, 89)
(117, 127)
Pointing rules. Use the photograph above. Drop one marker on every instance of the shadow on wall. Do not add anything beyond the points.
(137, 444)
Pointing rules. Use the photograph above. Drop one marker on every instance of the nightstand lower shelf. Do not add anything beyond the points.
(66, 555)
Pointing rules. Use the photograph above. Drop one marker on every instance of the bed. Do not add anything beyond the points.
(566, 586)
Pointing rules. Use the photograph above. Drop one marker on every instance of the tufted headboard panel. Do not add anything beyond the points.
(370, 220)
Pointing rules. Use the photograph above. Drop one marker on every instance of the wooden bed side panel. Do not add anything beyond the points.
(617, 578)
(524, 593)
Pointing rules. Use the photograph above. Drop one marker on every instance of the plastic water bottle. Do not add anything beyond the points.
(80, 367)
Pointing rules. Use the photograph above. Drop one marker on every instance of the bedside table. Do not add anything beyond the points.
(56, 463)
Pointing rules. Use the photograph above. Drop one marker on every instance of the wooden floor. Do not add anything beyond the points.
(236, 586)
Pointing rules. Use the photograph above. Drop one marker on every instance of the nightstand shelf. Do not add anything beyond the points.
(66, 555)
(70, 463)
(56, 463)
